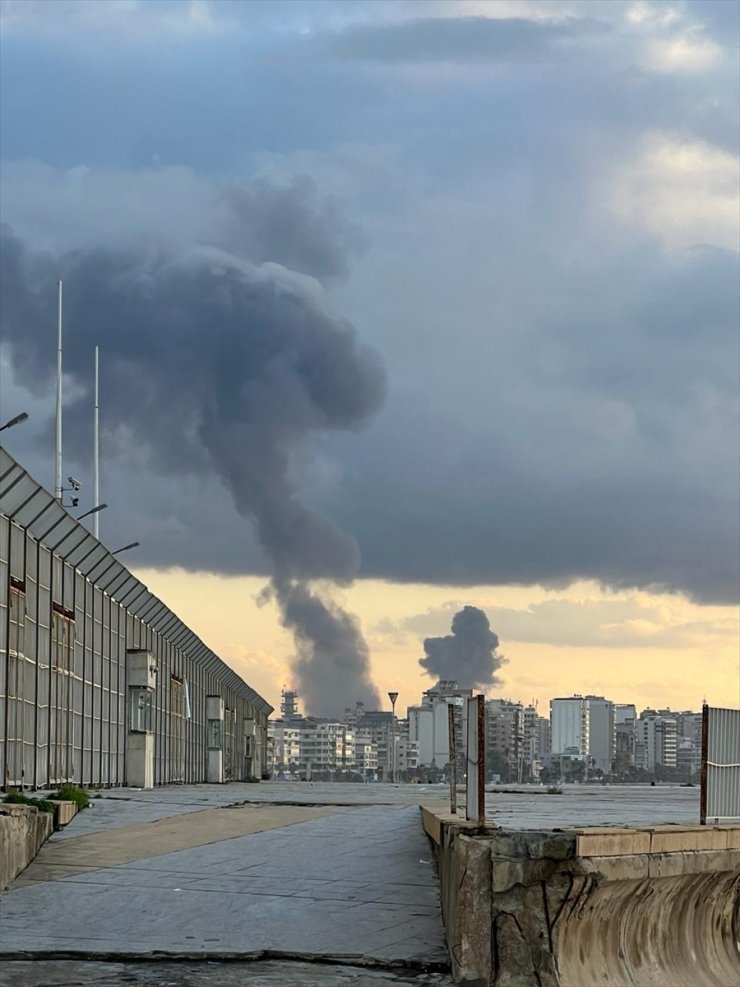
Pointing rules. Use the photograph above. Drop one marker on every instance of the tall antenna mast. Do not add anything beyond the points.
(96, 452)
(58, 456)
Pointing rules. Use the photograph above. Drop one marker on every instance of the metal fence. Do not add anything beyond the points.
(720, 765)
(68, 619)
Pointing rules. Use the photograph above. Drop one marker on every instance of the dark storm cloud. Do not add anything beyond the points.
(213, 362)
(458, 39)
(468, 656)
(274, 223)
(564, 371)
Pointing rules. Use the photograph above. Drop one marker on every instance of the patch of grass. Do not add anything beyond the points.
(73, 793)
(18, 798)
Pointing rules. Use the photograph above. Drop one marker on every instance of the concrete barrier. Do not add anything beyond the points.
(599, 906)
(23, 830)
(64, 812)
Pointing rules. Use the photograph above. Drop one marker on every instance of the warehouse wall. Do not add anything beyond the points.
(63, 691)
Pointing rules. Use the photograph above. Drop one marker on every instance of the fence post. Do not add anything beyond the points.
(453, 757)
(704, 759)
(481, 762)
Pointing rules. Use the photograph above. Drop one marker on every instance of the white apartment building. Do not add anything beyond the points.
(327, 747)
(366, 756)
(429, 725)
(656, 739)
(569, 719)
(407, 753)
(286, 744)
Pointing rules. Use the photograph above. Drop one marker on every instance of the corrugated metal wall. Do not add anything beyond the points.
(63, 645)
(721, 795)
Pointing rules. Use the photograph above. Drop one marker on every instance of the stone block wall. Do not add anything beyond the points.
(575, 908)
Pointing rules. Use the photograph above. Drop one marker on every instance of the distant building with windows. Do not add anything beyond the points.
(570, 722)
(656, 739)
(429, 723)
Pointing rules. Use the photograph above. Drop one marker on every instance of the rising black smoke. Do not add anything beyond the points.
(217, 360)
(469, 655)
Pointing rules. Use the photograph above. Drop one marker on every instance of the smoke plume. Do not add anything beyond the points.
(468, 655)
(217, 361)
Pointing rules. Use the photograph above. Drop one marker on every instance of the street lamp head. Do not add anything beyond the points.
(18, 420)
(93, 510)
(134, 544)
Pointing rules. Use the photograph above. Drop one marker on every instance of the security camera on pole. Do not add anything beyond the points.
(74, 487)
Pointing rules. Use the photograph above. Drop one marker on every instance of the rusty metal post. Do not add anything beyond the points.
(704, 759)
(481, 762)
(453, 757)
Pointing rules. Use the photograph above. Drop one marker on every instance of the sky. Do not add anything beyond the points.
(402, 307)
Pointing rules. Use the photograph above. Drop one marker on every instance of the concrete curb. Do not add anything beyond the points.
(23, 831)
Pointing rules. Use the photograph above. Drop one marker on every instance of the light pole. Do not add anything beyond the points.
(18, 420)
(393, 696)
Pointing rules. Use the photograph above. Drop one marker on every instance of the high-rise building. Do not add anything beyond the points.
(625, 716)
(569, 719)
(366, 757)
(688, 757)
(656, 739)
(688, 726)
(530, 742)
(428, 722)
(601, 733)
(378, 727)
(504, 736)
(286, 739)
(544, 730)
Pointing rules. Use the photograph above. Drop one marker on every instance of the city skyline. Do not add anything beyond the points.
(582, 738)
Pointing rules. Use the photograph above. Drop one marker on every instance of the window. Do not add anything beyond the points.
(17, 621)
(215, 735)
(141, 709)
(62, 639)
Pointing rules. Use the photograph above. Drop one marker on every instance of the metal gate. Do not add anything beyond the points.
(177, 731)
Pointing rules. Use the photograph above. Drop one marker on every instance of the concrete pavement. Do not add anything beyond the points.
(355, 884)
(530, 807)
